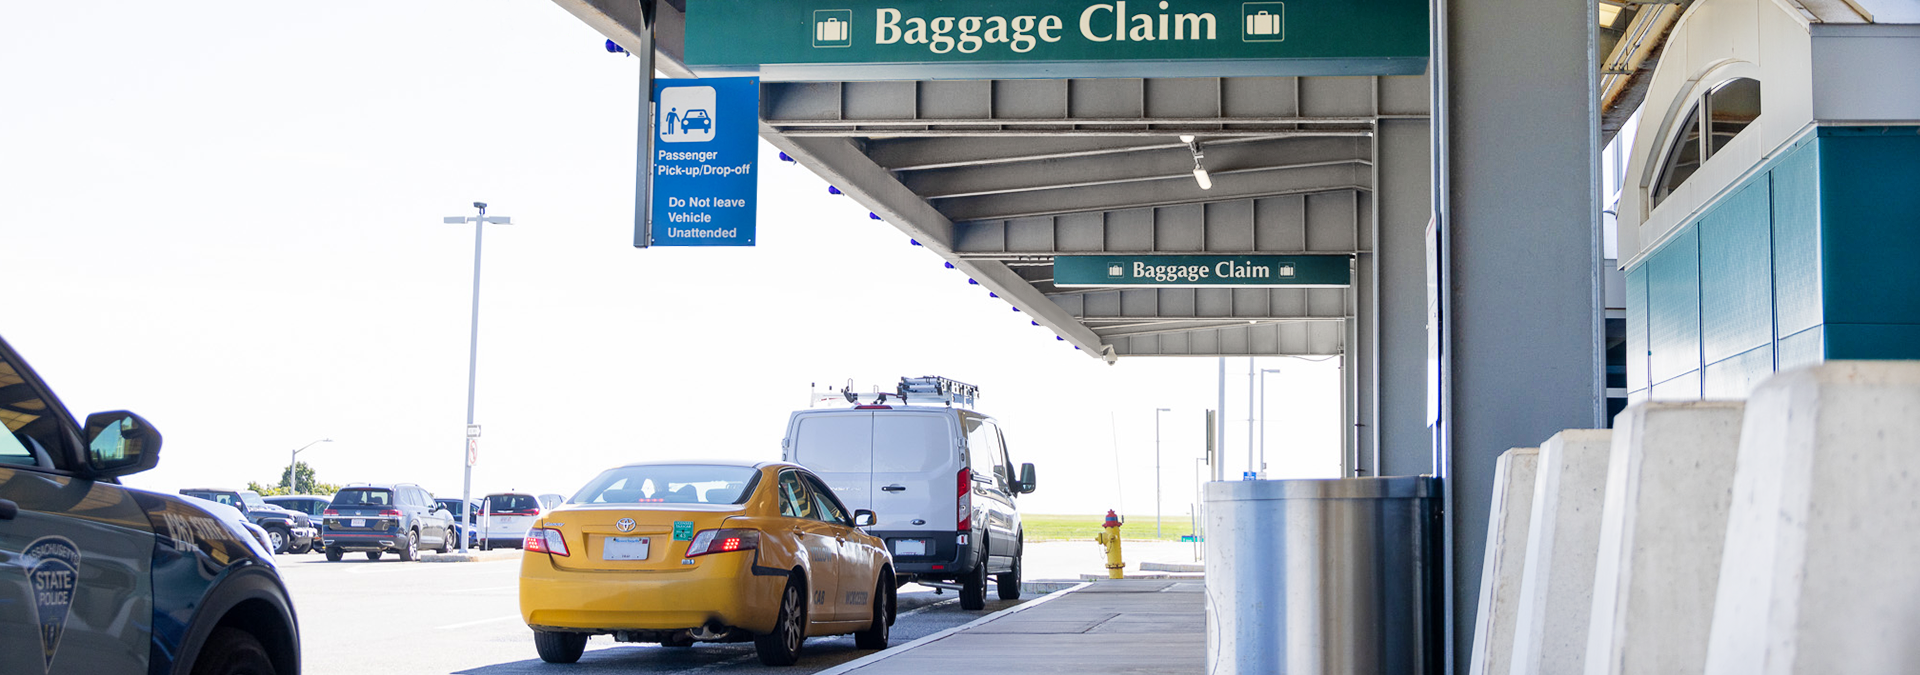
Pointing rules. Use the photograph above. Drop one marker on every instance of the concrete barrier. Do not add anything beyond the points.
(1821, 572)
(1556, 587)
(1507, 523)
(1669, 479)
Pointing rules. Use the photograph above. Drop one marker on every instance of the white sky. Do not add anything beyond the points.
(226, 216)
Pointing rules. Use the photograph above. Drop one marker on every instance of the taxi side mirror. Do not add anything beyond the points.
(120, 443)
(864, 518)
(1026, 478)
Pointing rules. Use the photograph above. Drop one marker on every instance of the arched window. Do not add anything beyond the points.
(1729, 108)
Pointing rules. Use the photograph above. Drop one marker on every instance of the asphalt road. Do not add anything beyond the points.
(358, 616)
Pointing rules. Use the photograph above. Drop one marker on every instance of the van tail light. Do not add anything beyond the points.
(964, 513)
(395, 513)
(723, 541)
(545, 540)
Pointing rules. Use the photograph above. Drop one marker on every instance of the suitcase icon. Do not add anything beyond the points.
(831, 30)
(1263, 23)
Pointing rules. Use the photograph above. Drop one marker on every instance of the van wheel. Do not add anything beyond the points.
(557, 647)
(1009, 581)
(782, 646)
(973, 589)
(231, 651)
(884, 606)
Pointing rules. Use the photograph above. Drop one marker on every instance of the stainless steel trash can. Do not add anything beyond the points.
(1324, 577)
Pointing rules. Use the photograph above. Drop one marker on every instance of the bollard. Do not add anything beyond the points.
(1110, 537)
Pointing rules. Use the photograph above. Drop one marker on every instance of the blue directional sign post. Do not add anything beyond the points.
(703, 162)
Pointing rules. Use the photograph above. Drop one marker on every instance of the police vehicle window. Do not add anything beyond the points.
(825, 507)
(835, 443)
(795, 500)
(909, 443)
(363, 497)
(661, 484)
(33, 437)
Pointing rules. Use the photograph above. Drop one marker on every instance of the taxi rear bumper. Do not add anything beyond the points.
(726, 589)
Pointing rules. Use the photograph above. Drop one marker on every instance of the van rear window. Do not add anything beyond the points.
(911, 443)
(838, 443)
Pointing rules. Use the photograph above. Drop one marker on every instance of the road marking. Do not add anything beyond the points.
(513, 617)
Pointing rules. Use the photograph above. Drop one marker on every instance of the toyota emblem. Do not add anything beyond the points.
(624, 525)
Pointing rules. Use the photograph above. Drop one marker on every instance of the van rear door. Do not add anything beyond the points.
(838, 447)
(915, 464)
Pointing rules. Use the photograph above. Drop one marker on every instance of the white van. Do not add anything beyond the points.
(938, 477)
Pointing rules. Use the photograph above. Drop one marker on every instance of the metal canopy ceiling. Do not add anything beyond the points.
(999, 176)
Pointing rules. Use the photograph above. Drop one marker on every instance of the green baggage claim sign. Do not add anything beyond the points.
(928, 39)
(1189, 271)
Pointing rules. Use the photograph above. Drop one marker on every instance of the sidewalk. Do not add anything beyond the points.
(1125, 626)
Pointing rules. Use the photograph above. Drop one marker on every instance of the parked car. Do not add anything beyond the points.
(463, 519)
(676, 553)
(311, 505)
(97, 577)
(290, 531)
(505, 517)
(374, 519)
(939, 476)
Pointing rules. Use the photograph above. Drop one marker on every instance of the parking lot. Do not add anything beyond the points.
(358, 616)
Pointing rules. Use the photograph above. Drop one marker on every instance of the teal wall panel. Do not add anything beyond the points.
(1736, 270)
(1804, 348)
(1637, 329)
(1735, 377)
(1870, 240)
(1796, 240)
(1673, 308)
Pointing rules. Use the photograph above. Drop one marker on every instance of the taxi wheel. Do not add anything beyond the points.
(412, 551)
(231, 651)
(973, 589)
(334, 554)
(782, 646)
(1009, 581)
(559, 647)
(875, 636)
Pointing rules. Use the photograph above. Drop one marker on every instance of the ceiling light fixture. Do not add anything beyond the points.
(1199, 167)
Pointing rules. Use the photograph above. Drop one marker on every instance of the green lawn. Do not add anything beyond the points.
(1041, 527)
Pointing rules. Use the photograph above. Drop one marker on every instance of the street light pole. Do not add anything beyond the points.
(1263, 420)
(473, 340)
(1156, 470)
(293, 466)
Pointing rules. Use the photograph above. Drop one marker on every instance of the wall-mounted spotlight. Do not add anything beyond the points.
(1199, 167)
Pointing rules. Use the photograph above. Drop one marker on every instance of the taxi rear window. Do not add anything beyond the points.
(363, 497)
(670, 484)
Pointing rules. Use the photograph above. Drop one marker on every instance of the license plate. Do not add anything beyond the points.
(357, 522)
(910, 547)
(625, 548)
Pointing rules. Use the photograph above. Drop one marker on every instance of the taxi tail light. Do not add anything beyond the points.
(723, 541)
(545, 540)
(964, 509)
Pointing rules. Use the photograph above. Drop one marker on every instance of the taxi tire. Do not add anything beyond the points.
(231, 651)
(411, 551)
(973, 589)
(557, 647)
(334, 555)
(884, 607)
(782, 646)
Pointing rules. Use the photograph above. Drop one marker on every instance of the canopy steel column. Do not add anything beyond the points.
(1521, 341)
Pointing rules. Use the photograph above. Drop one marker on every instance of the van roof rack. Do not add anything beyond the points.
(925, 390)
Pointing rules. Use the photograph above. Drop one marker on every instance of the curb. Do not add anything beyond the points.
(889, 652)
(1154, 575)
(1172, 567)
(1045, 586)
(470, 556)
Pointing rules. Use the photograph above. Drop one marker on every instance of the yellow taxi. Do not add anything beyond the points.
(682, 552)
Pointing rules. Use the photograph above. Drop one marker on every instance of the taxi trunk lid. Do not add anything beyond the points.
(598, 540)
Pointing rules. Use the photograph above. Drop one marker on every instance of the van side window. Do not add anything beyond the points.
(997, 452)
(982, 445)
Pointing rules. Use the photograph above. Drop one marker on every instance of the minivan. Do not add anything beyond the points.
(938, 478)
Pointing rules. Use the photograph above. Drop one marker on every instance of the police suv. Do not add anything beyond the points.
(96, 577)
(936, 473)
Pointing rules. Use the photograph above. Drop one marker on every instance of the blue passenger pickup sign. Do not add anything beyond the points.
(706, 145)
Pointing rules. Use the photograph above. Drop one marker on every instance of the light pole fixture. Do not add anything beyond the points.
(1156, 469)
(1263, 421)
(1199, 166)
(473, 339)
(293, 465)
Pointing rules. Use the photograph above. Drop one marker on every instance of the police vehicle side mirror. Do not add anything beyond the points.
(864, 518)
(1026, 478)
(120, 443)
